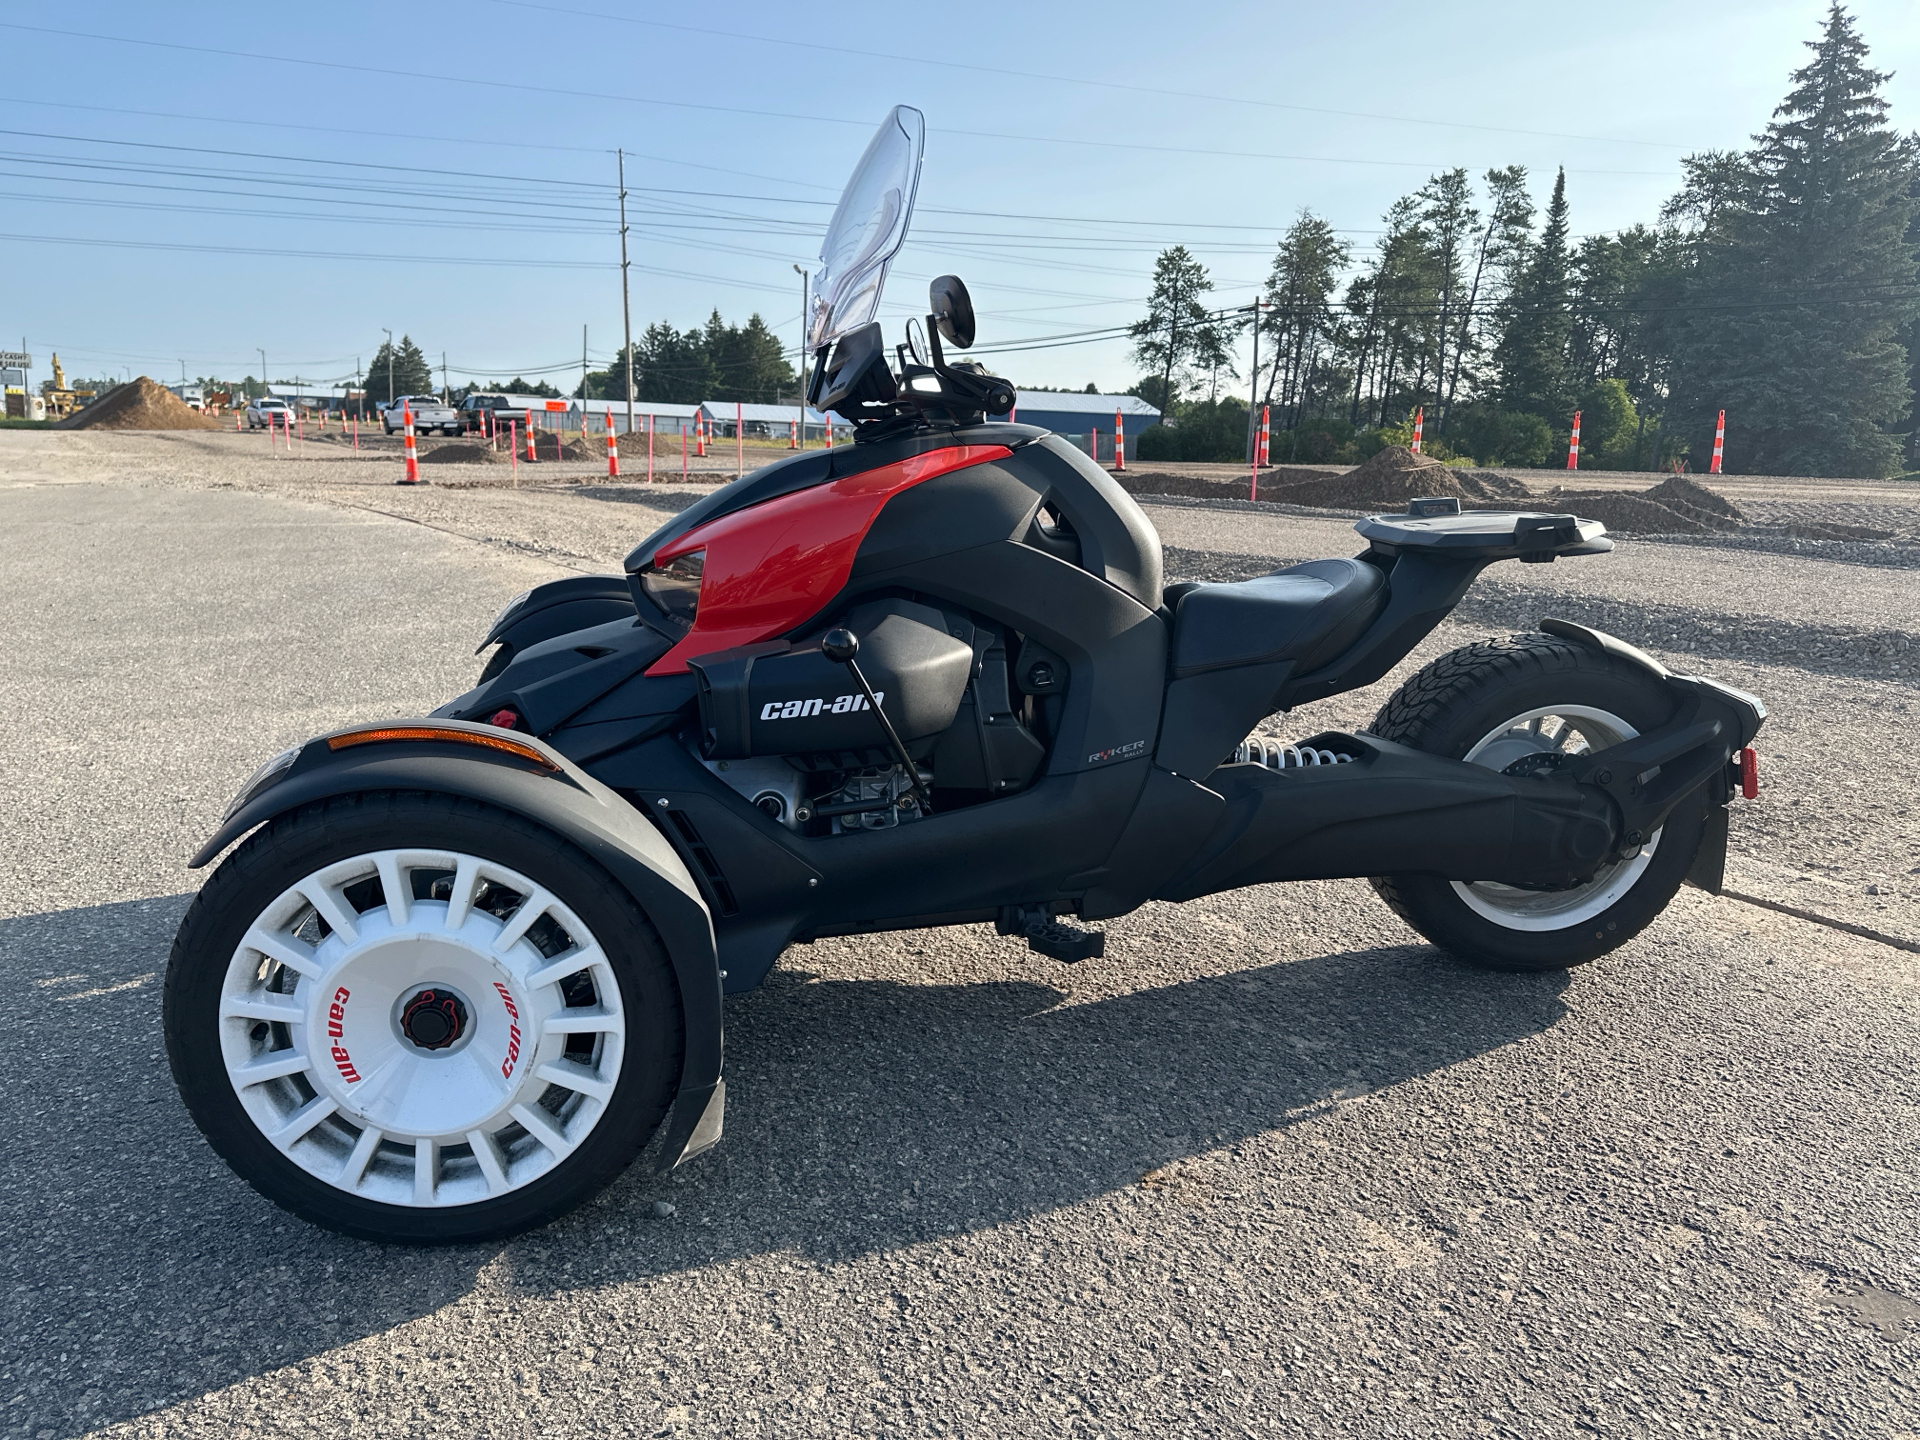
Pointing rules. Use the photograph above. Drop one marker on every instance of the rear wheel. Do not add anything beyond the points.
(1492, 704)
(415, 1018)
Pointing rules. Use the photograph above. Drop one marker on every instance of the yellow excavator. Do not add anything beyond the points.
(62, 402)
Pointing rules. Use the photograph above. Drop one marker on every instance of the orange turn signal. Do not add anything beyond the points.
(381, 733)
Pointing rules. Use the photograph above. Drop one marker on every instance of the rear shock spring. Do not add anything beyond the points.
(1256, 750)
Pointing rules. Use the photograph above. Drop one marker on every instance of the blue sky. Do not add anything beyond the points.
(302, 178)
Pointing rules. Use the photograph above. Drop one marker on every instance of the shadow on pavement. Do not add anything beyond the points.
(865, 1115)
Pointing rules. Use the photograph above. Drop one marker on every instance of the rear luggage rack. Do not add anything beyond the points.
(1438, 527)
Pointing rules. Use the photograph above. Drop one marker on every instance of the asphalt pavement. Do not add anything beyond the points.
(1272, 1167)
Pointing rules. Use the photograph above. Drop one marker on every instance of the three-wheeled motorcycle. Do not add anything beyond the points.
(460, 970)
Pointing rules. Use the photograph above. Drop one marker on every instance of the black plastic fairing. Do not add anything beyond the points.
(1046, 843)
(558, 679)
(562, 606)
(1115, 648)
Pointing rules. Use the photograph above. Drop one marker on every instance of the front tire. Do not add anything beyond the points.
(1490, 704)
(416, 1018)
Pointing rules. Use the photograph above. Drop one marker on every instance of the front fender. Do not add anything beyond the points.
(556, 794)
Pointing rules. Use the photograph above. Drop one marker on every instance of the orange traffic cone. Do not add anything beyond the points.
(413, 459)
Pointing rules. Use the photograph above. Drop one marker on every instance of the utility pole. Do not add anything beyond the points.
(360, 381)
(446, 394)
(801, 271)
(583, 380)
(1253, 391)
(626, 302)
(265, 389)
(389, 334)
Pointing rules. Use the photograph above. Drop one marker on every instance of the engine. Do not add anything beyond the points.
(791, 730)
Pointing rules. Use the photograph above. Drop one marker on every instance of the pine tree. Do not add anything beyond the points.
(1299, 324)
(1497, 252)
(409, 373)
(1177, 328)
(1794, 315)
(1449, 218)
(1532, 353)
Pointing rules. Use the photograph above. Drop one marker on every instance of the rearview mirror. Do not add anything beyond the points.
(952, 309)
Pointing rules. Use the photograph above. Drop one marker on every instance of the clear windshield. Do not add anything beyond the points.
(868, 228)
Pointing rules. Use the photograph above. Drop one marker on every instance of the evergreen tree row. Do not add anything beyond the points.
(1781, 284)
(717, 361)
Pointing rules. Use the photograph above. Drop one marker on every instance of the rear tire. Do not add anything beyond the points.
(1490, 703)
(416, 1072)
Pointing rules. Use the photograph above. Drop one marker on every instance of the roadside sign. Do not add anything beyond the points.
(15, 360)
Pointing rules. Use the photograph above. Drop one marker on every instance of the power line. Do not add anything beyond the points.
(418, 75)
(841, 51)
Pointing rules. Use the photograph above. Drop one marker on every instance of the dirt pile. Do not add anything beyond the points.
(463, 452)
(1676, 506)
(1385, 483)
(549, 446)
(139, 405)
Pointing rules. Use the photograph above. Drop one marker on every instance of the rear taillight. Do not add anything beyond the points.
(675, 587)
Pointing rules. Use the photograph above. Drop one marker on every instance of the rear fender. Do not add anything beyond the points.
(552, 792)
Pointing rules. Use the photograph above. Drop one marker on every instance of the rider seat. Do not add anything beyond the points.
(1305, 613)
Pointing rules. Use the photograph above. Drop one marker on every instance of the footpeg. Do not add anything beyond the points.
(1047, 934)
(1067, 943)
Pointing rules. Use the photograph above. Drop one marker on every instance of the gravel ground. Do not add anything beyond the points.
(1271, 1167)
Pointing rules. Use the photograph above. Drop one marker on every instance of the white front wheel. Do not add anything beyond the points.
(458, 1035)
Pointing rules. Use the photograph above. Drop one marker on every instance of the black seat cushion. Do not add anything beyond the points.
(1306, 613)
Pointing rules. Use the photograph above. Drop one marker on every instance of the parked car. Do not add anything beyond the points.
(264, 412)
(430, 412)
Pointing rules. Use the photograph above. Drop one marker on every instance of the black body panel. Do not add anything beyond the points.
(560, 607)
(1047, 844)
(561, 679)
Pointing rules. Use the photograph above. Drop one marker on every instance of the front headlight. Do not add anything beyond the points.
(675, 587)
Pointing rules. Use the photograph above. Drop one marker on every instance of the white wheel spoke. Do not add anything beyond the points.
(274, 1065)
(540, 1125)
(356, 1167)
(262, 1005)
(488, 1155)
(340, 918)
(531, 909)
(396, 888)
(285, 949)
(574, 1077)
(561, 966)
(426, 1160)
(303, 1120)
(581, 1020)
(466, 880)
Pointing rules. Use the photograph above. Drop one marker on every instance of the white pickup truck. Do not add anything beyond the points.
(429, 413)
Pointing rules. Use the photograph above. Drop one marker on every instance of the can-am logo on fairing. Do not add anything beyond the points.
(799, 709)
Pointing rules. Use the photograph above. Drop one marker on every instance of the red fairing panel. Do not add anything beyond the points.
(774, 566)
